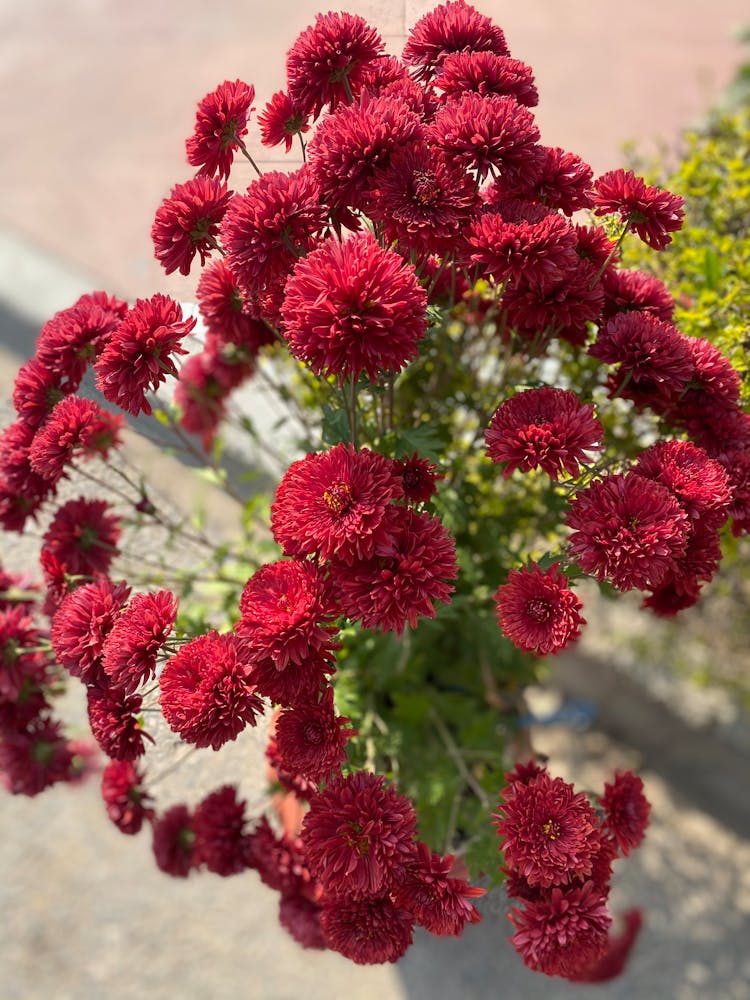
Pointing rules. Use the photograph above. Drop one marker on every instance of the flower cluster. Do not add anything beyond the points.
(558, 854)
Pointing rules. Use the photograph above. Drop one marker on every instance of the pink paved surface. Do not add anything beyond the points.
(97, 97)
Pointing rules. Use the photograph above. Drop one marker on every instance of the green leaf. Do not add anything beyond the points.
(335, 427)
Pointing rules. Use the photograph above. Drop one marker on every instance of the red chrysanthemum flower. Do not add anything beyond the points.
(335, 504)
(34, 757)
(628, 530)
(23, 665)
(562, 182)
(311, 739)
(128, 803)
(286, 610)
(619, 946)
(596, 247)
(677, 594)
(82, 622)
(404, 577)
(628, 290)
(350, 145)
(302, 788)
(70, 341)
(649, 211)
(699, 483)
(543, 251)
(265, 230)
(207, 693)
(354, 307)
(546, 428)
(550, 832)
(325, 64)
(300, 916)
(653, 358)
(221, 838)
(37, 390)
(281, 120)
(187, 223)
(174, 842)
(220, 124)
(537, 611)
(419, 477)
(366, 931)
(297, 682)
(139, 353)
(713, 390)
(22, 491)
(450, 27)
(422, 200)
(76, 427)
(358, 835)
(201, 394)
(626, 810)
(131, 648)
(561, 308)
(487, 73)
(228, 315)
(113, 717)
(437, 902)
(489, 135)
(83, 536)
(280, 861)
(563, 934)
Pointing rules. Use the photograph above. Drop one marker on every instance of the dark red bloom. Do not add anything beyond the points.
(550, 833)
(628, 530)
(437, 902)
(82, 622)
(619, 946)
(653, 358)
(207, 693)
(335, 504)
(311, 739)
(713, 391)
(280, 861)
(699, 483)
(70, 341)
(626, 290)
(228, 315)
(358, 835)
(626, 810)
(75, 428)
(220, 124)
(543, 251)
(563, 934)
(419, 477)
(650, 212)
(174, 842)
(350, 145)
(302, 788)
(455, 26)
(297, 682)
(201, 394)
(113, 717)
(132, 646)
(281, 120)
(546, 428)
(561, 182)
(300, 916)
(83, 536)
(422, 200)
(286, 610)
(366, 931)
(325, 64)
(127, 801)
(37, 390)
(219, 826)
(139, 353)
(354, 307)
(34, 756)
(489, 135)
(561, 308)
(23, 665)
(404, 578)
(187, 223)
(487, 73)
(265, 230)
(537, 611)
(22, 490)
